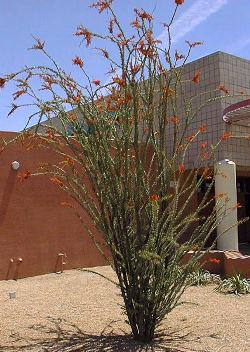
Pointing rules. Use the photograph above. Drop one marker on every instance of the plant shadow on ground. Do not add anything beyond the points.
(59, 335)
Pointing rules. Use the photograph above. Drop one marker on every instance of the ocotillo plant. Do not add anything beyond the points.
(122, 153)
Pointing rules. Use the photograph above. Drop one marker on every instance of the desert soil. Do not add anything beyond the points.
(81, 311)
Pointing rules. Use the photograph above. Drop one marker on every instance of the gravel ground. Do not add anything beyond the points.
(80, 311)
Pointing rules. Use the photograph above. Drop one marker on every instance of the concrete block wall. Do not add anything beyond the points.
(215, 70)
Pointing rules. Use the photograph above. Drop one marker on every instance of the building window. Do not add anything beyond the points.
(79, 128)
(204, 186)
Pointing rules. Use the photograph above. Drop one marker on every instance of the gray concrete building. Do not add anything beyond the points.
(228, 113)
(232, 73)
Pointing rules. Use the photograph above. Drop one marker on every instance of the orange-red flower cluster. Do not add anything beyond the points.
(178, 56)
(24, 175)
(101, 5)
(78, 61)
(155, 198)
(175, 120)
(82, 31)
(145, 50)
(135, 69)
(143, 15)
(2, 82)
(48, 81)
(66, 205)
(75, 99)
(124, 42)
(226, 136)
(115, 102)
(197, 77)
(39, 45)
(136, 24)
(237, 206)
(214, 260)
(179, 2)
(96, 82)
(150, 38)
(19, 93)
(56, 181)
(120, 81)
(203, 128)
(181, 169)
(223, 89)
(191, 138)
(203, 145)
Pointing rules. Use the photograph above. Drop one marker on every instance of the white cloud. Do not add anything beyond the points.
(191, 18)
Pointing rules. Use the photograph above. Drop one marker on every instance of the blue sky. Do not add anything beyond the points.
(222, 25)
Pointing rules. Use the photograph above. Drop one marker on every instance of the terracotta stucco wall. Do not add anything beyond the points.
(33, 224)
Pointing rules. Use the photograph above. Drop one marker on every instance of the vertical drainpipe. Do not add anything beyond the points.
(225, 183)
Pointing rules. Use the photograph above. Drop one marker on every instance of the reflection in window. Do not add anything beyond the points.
(243, 185)
(204, 186)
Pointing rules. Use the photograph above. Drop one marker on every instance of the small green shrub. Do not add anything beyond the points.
(202, 277)
(235, 284)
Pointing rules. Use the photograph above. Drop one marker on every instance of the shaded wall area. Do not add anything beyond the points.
(35, 230)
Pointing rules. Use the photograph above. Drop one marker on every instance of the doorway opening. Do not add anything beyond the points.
(243, 196)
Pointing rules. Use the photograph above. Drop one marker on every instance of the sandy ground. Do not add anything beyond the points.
(80, 311)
